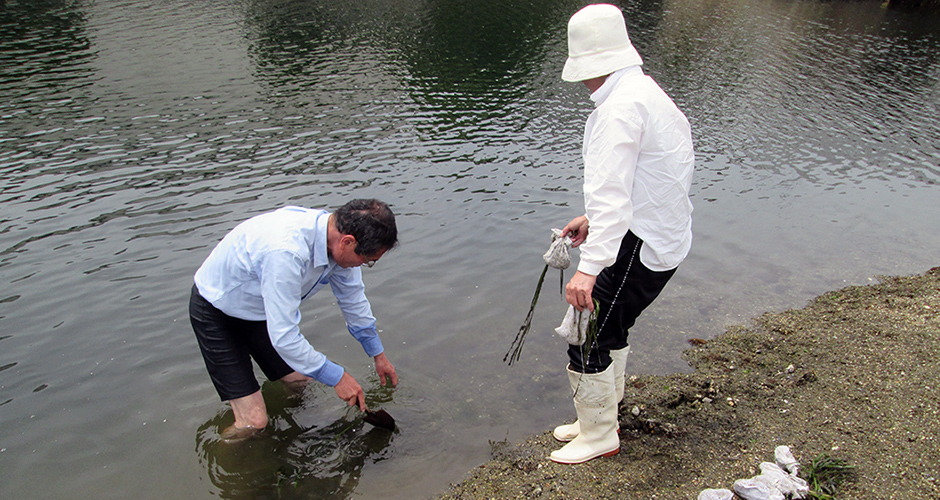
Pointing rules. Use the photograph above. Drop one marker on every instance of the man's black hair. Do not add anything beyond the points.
(371, 222)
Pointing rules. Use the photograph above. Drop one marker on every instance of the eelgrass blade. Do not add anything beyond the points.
(590, 336)
(826, 474)
(515, 349)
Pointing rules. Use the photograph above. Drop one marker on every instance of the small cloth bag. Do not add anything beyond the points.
(574, 327)
(558, 255)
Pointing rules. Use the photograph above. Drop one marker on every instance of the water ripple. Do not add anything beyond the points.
(134, 134)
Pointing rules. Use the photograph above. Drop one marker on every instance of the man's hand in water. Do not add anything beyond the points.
(349, 391)
(385, 369)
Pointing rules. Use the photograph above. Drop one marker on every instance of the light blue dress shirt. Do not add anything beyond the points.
(267, 265)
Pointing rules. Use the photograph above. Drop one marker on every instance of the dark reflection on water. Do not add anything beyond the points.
(135, 134)
(293, 458)
(44, 48)
(459, 49)
(449, 48)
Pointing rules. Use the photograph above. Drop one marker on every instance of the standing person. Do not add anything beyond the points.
(246, 302)
(637, 227)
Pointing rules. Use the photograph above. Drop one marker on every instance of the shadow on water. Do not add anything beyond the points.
(294, 457)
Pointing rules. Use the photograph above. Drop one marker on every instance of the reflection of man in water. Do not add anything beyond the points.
(293, 462)
(246, 301)
(638, 162)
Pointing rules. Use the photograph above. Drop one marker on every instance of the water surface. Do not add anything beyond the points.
(134, 135)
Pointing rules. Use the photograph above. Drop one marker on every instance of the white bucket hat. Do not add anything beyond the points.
(598, 44)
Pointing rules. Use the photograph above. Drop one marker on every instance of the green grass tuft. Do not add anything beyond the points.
(825, 474)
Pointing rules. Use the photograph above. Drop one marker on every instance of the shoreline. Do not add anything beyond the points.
(855, 375)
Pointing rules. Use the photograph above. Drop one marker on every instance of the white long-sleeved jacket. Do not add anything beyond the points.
(638, 163)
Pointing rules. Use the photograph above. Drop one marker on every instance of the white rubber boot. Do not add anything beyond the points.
(565, 433)
(596, 403)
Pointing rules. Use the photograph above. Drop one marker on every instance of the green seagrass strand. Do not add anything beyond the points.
(515, 350)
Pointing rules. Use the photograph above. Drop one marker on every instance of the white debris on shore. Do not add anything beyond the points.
(777, 481)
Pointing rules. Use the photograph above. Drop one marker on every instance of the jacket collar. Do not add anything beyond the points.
(600, 95)
(320, 255)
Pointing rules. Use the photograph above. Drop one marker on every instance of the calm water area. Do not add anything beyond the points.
(134, 134)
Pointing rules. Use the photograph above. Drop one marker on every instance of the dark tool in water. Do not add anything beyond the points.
(380, 419)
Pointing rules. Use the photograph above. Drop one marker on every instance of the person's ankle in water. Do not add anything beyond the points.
(234, 434)
(295, 387)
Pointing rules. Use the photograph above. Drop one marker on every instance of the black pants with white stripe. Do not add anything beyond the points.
(638, 287)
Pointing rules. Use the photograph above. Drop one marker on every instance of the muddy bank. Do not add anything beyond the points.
(855, 375)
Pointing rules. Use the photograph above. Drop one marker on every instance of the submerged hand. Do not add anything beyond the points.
(578, 291)
(351, 392)
(385, 369)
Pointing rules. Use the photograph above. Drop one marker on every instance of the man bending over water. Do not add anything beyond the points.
(245, 303)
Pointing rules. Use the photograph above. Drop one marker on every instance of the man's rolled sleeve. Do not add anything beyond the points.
(369, 338)
(330, 373)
